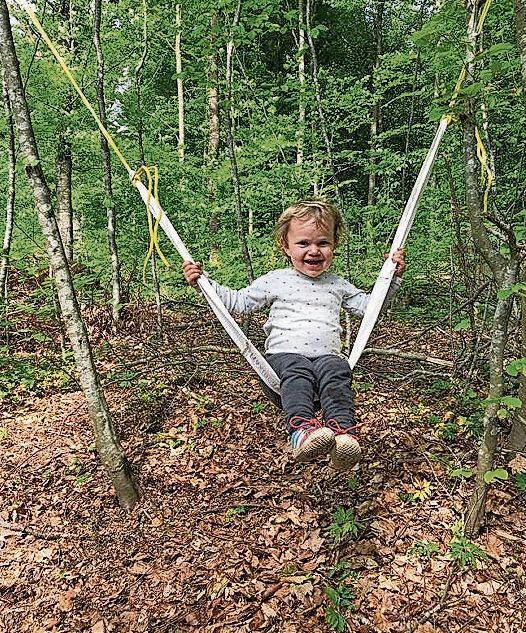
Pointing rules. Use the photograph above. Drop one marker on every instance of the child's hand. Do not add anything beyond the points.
(399, 260)
(192, 271)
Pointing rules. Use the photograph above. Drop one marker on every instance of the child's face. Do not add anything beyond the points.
(310, 247)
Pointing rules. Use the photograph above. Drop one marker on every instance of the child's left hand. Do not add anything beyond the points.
(399, 260)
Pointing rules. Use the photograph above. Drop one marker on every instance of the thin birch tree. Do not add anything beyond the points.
(180, 94)
(116, 293)
(229, 71)
(107, 442)
(10, 198)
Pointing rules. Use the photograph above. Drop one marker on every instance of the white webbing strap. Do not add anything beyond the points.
(255, 359)
(385, 277)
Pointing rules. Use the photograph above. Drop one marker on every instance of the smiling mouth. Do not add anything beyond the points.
(313, 262)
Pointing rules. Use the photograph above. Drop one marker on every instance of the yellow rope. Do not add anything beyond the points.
(153, 183)
(135, 176)
(486, 173)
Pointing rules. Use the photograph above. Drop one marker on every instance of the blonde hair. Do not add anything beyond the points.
(323, 213)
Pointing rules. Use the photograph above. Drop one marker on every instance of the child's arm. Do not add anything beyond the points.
(356, 300)
(249, 299)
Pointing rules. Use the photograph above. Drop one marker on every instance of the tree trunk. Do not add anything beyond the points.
(64, 165)
(140, 140)
(323, 127)
(106, 438)
(213, 144)
(505, 274)
(300, 136)
(179, 70)
(517, 437)
(116, 294)
(376, 118)
(64, 185)
(10, 202)
(232, 150)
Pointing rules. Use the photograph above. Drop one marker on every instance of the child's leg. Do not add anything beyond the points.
(334, 389)
(308, 438)
(298, 384)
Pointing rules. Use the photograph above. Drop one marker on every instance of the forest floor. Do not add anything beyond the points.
(230, 534)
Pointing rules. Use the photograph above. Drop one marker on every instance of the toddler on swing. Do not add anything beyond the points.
(303, 331)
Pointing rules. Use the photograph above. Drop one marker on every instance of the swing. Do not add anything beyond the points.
(377, 296)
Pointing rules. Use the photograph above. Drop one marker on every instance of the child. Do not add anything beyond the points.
(303, 331)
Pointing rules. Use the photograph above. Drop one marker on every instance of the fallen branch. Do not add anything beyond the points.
(408, 355)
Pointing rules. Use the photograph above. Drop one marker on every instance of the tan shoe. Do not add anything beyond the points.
(346, 452)
(310, 440)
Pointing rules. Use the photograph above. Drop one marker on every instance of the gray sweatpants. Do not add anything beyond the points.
(308, 384)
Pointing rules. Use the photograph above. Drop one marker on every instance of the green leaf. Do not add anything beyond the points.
(516, 367)
(511, 402)
(474, 89)
(499, 473)
(461, 472)
(462, 325)
(499, 49)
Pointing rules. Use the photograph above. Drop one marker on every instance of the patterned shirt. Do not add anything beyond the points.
(304, 315)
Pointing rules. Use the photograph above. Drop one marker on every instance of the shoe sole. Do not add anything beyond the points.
(345, 456)
(318, 443)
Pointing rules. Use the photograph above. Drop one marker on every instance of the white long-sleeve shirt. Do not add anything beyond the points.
(304, 316)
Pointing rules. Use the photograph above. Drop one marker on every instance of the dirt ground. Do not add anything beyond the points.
(230, 534)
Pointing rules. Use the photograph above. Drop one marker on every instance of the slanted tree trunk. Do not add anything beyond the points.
(106, 439)
(179, 70)
(116, 294)
(504, 271)
(10, 202)
(232, 149)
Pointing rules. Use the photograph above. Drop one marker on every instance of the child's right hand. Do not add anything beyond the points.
(192, 271)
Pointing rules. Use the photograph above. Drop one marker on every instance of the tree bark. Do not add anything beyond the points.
(517, 437)
(180, 94)
(213, 143)
(376, 117)
(232, 150)
(323, 127)
(10, 201)
(140, 139)
(106, 439)
(116, 293)
(64, 164)
(505, 274)
(300, 136)
(64, 172)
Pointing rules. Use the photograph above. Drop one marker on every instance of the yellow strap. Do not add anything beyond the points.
(153, 183)
(486, 175)
(482, 17)
(153, 229)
